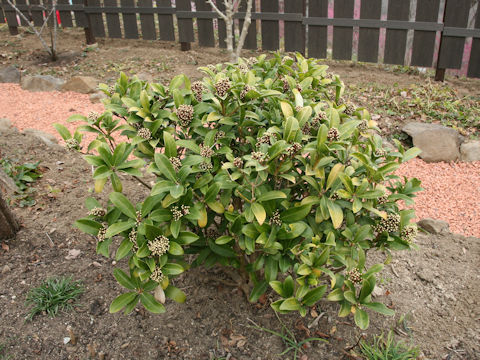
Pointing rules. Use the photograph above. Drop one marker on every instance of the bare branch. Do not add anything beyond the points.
(217, 10)
(246, 25)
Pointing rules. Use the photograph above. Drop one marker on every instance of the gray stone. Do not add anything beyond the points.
(437, 142)
(42, 83)
(9, 74)
(7, 185)
(97, 97)
(81, 84)
(6, 126)
(47, 139)
(470, 151)
(434, 226)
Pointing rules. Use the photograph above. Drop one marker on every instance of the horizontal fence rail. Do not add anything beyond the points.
(434, 34)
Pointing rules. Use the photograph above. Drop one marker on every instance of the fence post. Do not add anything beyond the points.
(89, 37)
(440, 72)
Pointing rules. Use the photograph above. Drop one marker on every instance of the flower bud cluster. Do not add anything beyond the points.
(111, 89)
(334, 196)
(380, 153)
(252, 60)
(350, 108)
(261, 157)
(205, 151)
(333, 134)
(275, 219)
(238, 162)
(185, 114)
(211, 233)
(159, 245)
(197, 89)
(212, 68)
(222, 87)
(243, 68)
(176, 163)
(144, 133)
(157, 275)
(264, 139)
(354, 276)
(138, 218)
(206, 166)
(72, 144)
(363, 126)
(97, 212)
(178, 213)
(286, 86)
(245, 91)
(409, 233)
(220, 135)
(382, 199)
(93, 116)
(293, 149)
(389, 225)
(132, 236)
(102, 232)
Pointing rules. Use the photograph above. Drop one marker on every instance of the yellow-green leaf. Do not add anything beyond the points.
(337, 168)
(259, 212)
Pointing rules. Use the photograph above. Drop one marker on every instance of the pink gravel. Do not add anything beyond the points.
(452, 190)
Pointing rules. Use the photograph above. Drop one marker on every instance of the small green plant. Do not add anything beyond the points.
(261, 167)
(53, 295)
(24, 175)
(288, 338)
(382, 348)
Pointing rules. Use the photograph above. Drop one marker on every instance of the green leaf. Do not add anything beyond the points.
(258, 290)
(170, 147)
(119, 227)
(151, 304)
(221, 250)
(165, 167)
(314, 295)
(336, 214)
(175, 249)
(172, 269)
(335, 295)
(259, 212)
(361, 319)
(277, 286)
(123, 279)
(411, 153)
(76, 117)
(123, 204)
(380, 308)
(350, 296)
(88, 226)
(225, 239)
(212, 192)
(272, 195)
(337, 168)
(296, 213)
(175, 294)
(290, 304)
(63, 131)
(123, 250)
(186, 237)
(121, 301)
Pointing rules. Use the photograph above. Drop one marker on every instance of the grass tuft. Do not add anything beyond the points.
(382, 348)
(53, 295)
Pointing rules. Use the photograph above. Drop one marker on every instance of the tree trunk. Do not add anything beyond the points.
(8, 224)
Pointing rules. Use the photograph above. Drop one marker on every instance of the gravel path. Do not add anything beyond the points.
(452, 191)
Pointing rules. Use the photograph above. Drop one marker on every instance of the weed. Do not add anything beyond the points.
(382, 348)
(24, 175)
(53, 295)
(288, 338)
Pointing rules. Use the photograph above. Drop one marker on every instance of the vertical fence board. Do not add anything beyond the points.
(129, 20)
(24, 12)
(185, 26)
(205, 26)
(113, 21)
(396, 40)
(451, 51)
(369, 37)
(474, 64)
(424, 41)
(37, 15)
(147, 21)
(222, 28)
(251, 39)
(343, 36)
(10, 15)
(270, 28)
(65, 15)
(294, 30)
(96, 19)
(165, 22)
(2, 15)
(317, 35)
(80, 18)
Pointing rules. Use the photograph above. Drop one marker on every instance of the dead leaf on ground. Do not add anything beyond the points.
(5, 247)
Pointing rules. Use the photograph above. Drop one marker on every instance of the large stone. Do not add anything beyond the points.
(46, 138)
(437, 142)
(81, 84)
(42, 83)
(6, 126)
(434, 226)
(470, 151)
(97, 97)
(7, 185)
(9, 74)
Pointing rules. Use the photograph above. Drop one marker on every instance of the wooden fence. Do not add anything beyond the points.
(440, 28)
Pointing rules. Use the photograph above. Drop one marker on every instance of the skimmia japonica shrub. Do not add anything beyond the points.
(262, 168)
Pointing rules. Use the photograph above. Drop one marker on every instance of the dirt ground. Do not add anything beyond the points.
(434, 290)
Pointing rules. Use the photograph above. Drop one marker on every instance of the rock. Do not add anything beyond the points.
(6, 126)
(42, 83)
(378, 291)
(97, 97)
(437, 142)
(434, 226)
(470, 151)
(6, 269)
(46, 138)
(9, 74)
(81, 84)
(7, 185)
